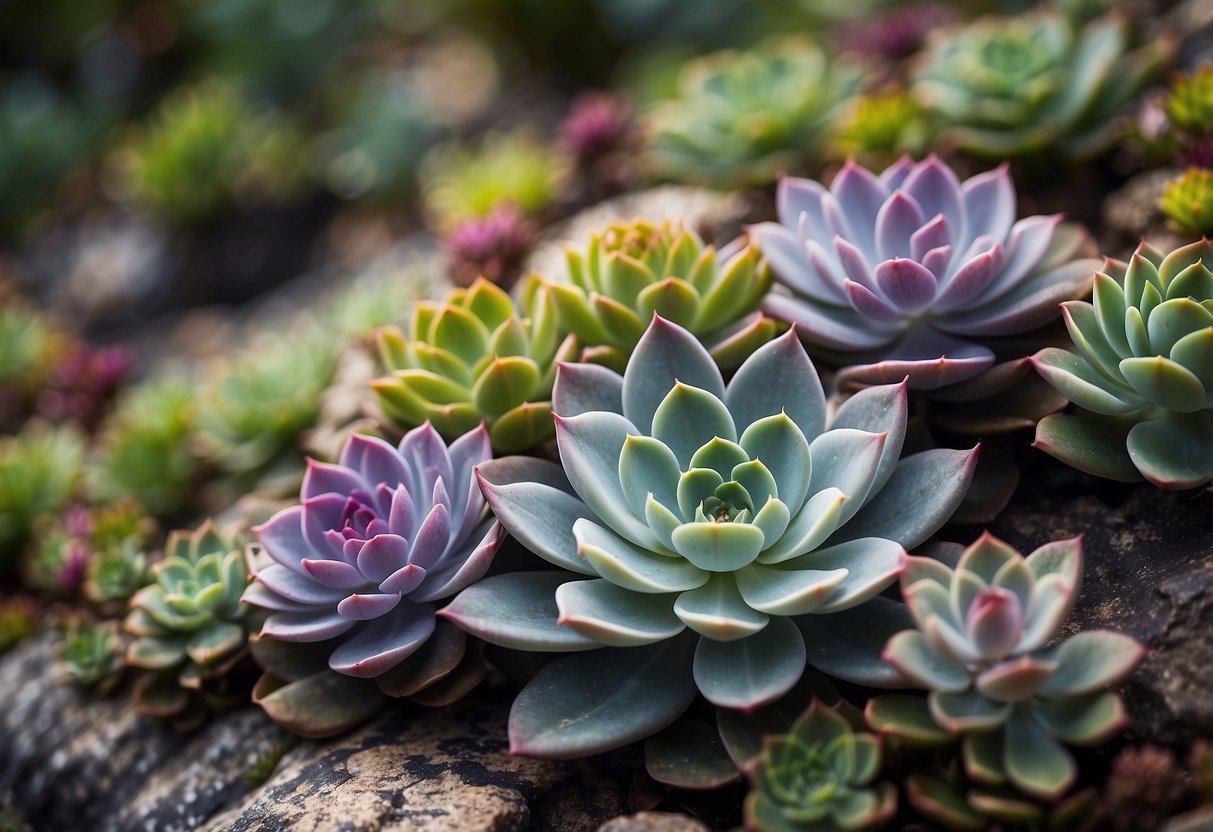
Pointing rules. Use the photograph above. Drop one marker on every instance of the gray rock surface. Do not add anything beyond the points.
(1149, 573)
(653, 822)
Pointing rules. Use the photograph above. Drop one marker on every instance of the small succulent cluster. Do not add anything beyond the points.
(635, 270)
(600, 134)
(880, 127)
(39, 469)
(89, 654)
(355, 572)
(1188, 201)
(475, 357)
(742, 117)
(1141, 370)
(1035, 84)
(80, 385)
(189, 629)
(819, 777)
(94, 553)
(984, 648)
(912, 272)
(493, 246)
(700, 530)
(1189, 111)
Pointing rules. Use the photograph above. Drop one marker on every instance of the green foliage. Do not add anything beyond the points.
(1189, 104)
(29, 344)
(818, 777)
(1035, 84)
(1188, 200)
(39, 469)
(206, 148)
(742, 117)
(461, 181)
(143, 450)
(89, 654)
(881, 127)
(263, 765)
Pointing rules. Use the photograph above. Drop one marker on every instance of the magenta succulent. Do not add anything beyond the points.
(911, 272)
(379, 539)
(82, 383)
(492, 246)
(597, 125)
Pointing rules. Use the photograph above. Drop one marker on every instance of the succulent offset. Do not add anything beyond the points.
(632, 271)
(1188, 200)
(1034, 84)
(1141, 370)
(818, 777)
(697, 526)
(742, 117)
(358, 569)
(984, 648)
(475, 357)
(912, 272)
(189, 628)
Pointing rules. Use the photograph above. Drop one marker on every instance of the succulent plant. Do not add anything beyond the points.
(634, 270)
(954, 804)
(143, 449)
(818, 777)
(29, 347)
(742, 117)
(1145, 787)
(459, 182)
(492, 247)
(358, 569)
(1188, 200)
(206, 147)
(881, 127)
(1142, 371)
(598, 132)
(189, 628)
(979, 647)
(89, 654)
(698, 528)
(18, 621)
(1034, 84)
(908, 273)
(1189, 104)
(895, 32)
(81, 385)
(475, 357)
(64, 548)
(39, 469)
(256, 404)
(114, 574)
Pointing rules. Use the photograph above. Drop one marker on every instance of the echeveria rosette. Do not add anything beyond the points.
(912, 272)
(1142, 368)
(1024, 86)
(741, 117)
(697, 526)
(1188, 201)
(357, 571)
(818, 778)
(189, 628)
(631, 271)
(476, 358)
(985, 649)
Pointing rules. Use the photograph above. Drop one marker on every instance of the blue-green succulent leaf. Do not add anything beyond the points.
(615, 616)
(665, 354)
(516, 610)
(631, 567)
(778, 378)
(753, 671)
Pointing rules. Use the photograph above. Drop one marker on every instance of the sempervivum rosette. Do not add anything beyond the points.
(356, 573)
(698, 527)
(912, 272)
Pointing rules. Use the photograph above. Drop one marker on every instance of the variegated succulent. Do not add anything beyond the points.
(633, 270)
(818, 777)
(356, 572)
(475, 357)
(698, 527)
(1142, 371)
(984, 648)
(189, 628)
(742, 117)
(1034, 84)
(912, 272)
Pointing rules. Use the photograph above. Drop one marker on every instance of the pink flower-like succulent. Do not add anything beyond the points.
(379, 539)
(911, 271)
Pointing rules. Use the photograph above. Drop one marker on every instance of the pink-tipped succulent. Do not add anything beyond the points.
(82, 384)
(492, 246)
(896, 33)
(358, 570)
(981, 648)
(912, 272)
(597, 125)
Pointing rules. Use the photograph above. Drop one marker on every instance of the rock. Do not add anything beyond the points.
(1131, 214)
(653, 822)
(1149, 573)
(73, 761)
(716, 216)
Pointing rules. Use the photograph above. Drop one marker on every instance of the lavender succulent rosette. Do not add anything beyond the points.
(379, 538)
(912, 271)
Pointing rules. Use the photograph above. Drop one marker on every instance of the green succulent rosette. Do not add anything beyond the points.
(1037, 83)
(1188, 201)
(701, 533)
(89, 654)
(475, 358)
(631, 271)
(189, 628)
(39, 470)
(1141, 370)
(740, 118)
(818, 778)
(984, 645)
(1189, 105)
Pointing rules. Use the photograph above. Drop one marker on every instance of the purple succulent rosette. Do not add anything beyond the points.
(380, 539)
(912, 272)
